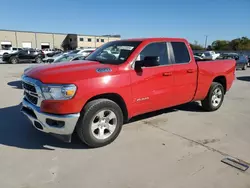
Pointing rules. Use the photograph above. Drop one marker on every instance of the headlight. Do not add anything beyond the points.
(58, 92)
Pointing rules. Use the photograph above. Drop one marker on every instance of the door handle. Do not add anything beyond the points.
(167, 74)
(190, 70)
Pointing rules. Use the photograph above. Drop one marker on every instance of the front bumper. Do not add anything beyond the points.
(58, 125)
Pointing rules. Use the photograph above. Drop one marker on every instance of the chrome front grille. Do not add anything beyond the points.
(33, 98)
(29, 87)
(32, 91)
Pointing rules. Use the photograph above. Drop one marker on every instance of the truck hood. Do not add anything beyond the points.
(70, 72)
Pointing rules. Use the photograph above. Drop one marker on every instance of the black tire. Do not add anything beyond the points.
(38, 60)
(83, 127)
(244, 67)
(207, 103)
(13, 60)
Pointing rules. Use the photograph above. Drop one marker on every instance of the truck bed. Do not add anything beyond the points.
(209, 70)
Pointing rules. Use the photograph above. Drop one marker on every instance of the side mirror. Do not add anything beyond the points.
(139, 65)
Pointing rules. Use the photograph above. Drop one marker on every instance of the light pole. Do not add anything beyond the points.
(206, 41)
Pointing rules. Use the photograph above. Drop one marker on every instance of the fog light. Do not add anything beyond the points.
(38, 125)
(55, 123)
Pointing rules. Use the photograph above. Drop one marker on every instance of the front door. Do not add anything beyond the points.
(184, 73)
(152, 86)
(23, 55)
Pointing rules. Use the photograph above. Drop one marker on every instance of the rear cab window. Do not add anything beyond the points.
(180, 53)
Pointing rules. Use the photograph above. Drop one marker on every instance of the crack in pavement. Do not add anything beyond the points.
(196, 142)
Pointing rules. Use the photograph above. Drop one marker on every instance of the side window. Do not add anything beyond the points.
(181, 53)
(158, 49)
(23, 52)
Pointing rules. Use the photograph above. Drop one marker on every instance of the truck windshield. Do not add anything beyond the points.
(116, 52)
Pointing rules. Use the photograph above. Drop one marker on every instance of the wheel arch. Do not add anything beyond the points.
(113, 97)
(222, 80)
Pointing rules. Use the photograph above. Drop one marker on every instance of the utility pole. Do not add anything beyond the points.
(206, 41)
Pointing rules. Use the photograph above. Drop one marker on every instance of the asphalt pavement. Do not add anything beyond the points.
(177, 147)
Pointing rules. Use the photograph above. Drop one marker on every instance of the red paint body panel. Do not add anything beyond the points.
(209, 70)
(153, 89)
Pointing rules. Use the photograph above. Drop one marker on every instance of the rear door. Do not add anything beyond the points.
(152, 87)
(184, 73)
(32, 54)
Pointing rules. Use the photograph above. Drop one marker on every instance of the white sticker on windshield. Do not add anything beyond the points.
(125, 47)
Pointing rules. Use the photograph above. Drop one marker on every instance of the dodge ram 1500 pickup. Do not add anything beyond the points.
(118, 81)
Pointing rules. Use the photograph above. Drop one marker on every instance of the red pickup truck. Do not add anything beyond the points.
(120, 80)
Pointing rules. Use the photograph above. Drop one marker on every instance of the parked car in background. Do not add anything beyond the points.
(86, 52)
(72, 52)
(210, 55)
(55, 52)
(51, 59)
(248, 60)
(200, 54)
(96, 96)
(47, 50)
(68, 57)
(27, 55)
(60, 59)
(241, 60)
(9, 51)
(198, 58)
(229, 55)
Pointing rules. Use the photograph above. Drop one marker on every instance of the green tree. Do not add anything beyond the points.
(221, 45)
(244, 44)
(237, 44)
(196, 46)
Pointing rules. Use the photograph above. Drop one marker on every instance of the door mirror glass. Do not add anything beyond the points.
(138, 66)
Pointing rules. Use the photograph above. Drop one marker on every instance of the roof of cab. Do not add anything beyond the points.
(155, 39)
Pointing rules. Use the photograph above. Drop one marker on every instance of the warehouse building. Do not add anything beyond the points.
(43, 40)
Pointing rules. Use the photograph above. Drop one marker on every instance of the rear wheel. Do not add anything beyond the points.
(215, 97)
(100, 123)
(13, 60)
(39, 60)
(244, 67)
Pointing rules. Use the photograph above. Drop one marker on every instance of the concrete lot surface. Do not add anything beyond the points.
(178, 147)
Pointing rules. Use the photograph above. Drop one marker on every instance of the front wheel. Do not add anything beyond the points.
(100, 123)
(215, 97)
